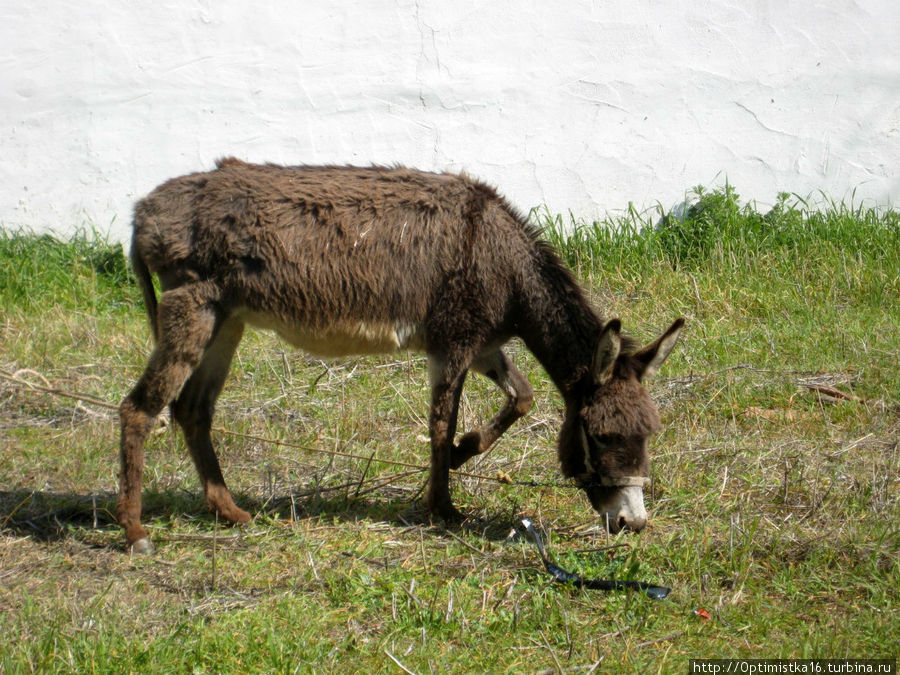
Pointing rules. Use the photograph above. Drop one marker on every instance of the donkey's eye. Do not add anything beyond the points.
(597, 442)
(603, 441)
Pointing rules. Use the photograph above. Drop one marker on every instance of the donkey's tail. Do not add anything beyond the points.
(145, 281)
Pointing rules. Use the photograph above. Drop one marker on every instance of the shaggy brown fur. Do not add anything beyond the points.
(345, 260)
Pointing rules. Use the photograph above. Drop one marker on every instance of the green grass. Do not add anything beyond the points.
(85, 272)
(718, 228)
(775, 507)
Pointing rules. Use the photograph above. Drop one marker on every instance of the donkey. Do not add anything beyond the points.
(344, 260)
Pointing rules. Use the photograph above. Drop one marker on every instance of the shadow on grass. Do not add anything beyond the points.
(57, 516)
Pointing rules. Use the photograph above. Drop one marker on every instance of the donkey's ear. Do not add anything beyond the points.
(651, 357)
(608, 348)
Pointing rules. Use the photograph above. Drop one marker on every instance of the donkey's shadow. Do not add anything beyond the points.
(52, 516)
(57, 516)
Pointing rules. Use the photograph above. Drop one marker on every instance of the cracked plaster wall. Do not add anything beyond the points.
(582, 106)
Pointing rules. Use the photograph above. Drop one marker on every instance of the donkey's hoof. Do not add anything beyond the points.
(141, 547)
(235, 516)
(449, 514)
(453, 516)
(219, 501)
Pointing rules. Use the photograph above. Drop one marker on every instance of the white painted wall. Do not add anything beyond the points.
(584, 106)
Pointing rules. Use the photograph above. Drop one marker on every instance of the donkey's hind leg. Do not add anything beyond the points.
(193, 410)
(186, 324)
(497, 366)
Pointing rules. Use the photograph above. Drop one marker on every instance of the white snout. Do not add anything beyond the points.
(626, 510)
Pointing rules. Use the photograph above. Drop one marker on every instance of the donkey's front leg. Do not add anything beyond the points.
(498, 367)
(446, 388)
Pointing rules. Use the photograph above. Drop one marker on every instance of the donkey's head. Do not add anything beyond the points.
(603, 441)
